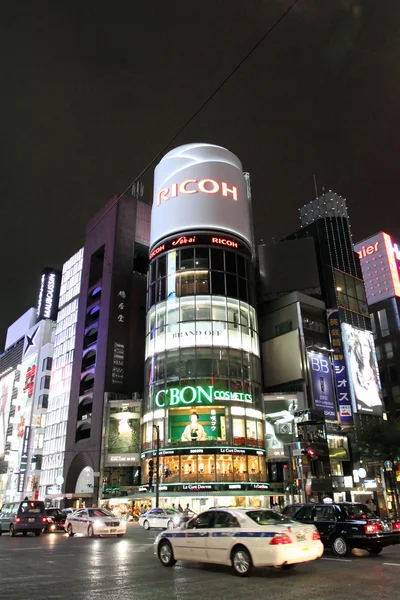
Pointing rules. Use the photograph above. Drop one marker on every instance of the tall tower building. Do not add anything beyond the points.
(202, 370)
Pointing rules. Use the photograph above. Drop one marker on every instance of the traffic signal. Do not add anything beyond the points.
(151, 471)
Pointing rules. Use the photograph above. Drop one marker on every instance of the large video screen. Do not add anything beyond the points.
(196, 424)
(124, 431)
(279, 424)
(360, 353)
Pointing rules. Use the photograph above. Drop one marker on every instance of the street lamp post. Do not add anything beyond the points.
(157, 428)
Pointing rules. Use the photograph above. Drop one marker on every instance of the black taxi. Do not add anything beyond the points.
(347, 525)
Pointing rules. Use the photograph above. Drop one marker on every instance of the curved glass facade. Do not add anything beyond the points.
(202, 372)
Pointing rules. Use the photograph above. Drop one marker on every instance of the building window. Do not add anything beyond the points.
(393, 373)
(388, 349)
(373, 325)
(45, 382)
(383, 322)
(396, 393)
(47, 363)
(43, 401)
(351, 292)
(336, 468)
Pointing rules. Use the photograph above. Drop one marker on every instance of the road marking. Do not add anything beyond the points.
(338, 559)
(392, 564)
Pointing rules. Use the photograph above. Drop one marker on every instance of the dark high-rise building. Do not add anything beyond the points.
(109, 349)
(313, 319)
(202, 373)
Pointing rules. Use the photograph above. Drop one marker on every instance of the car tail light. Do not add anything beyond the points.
(18, 520)
(373, 527)
(279, 539)
(396, 526)
(315, 536)
(44, 519)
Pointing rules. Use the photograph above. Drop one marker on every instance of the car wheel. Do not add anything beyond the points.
(170, 524)
(69, 531)
(146, 525)
(241, 561)
(90, 531)
(165, 554)
(374, 550)
(340, 547)
(12, 531)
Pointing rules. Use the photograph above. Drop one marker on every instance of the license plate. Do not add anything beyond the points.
(31, 520)
(386, 527)
(113, 530)
(301, 537)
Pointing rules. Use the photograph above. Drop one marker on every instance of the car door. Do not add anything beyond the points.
(76, 521)
(155, 517)
(324, 519)
(197, 532)
(304, 514)
(222, 537)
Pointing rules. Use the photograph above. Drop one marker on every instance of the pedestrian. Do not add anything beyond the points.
(180, 509)
(142, 509)
(187, 512)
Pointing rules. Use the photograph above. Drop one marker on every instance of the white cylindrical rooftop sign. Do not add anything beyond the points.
(200, 186)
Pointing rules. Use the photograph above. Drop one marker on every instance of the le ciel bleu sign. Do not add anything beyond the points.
(191, 396)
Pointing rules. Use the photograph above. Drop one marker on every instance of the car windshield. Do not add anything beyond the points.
(100, 512)
(268, 517)
(171, 511)
(356, 512)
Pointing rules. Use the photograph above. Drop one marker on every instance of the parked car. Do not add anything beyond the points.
(241, 538)
(55, 520)
(23, 517)
(347, 525)
(167, 518)
(94, 522)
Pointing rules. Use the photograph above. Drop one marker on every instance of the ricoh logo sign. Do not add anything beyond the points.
(199, 187)
(192, 186)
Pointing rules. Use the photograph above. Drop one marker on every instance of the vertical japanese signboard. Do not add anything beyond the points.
(322, 384)
(340, 367)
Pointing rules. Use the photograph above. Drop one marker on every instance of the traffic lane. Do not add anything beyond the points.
(57, 567)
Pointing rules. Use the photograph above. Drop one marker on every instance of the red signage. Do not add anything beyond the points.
(367, 250)
(200, 239)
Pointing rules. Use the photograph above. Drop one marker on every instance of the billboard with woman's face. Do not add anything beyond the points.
(360, 353)
(196, 425)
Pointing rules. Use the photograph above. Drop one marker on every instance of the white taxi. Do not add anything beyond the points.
(94, 522)
(241, 538)
(167, 518)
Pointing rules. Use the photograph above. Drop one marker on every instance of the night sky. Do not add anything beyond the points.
(91, 91)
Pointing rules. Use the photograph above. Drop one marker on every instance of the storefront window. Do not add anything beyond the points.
(240, 468)
(206, 467)
(224, 468)
(251, 431)
(188, 468)
(170, 469)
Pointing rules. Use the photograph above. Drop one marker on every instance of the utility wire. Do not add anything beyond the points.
(207, 101)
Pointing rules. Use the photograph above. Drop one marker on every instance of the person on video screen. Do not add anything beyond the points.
(194, 432)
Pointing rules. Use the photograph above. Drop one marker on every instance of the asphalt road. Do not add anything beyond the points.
(54, 566)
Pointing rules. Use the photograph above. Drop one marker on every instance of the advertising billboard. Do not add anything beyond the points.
(6, 390)
(199, 186)
(380, 263)
(196, 425)
(365, 386)
(123, 435)
(322, 384)
(279, 424)
(341, 373)
(49, 293)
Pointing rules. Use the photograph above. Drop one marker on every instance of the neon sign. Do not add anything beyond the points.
(192, 186)
(200, 239)
(190, 395)
(367, 250)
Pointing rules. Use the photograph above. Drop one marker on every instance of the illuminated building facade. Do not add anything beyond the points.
(202, 370)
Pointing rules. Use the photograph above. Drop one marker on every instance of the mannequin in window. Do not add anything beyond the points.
(194, 432)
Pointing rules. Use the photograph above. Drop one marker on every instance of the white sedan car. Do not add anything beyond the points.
(241, 538)
(94, 522)
(167, 518)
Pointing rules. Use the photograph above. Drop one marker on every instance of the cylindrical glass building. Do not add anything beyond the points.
(202, 373)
